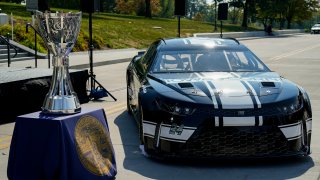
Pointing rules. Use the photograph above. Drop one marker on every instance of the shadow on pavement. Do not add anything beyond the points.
(275, 168)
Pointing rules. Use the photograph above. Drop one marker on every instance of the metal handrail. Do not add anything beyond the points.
(35, 44)
(7, 41)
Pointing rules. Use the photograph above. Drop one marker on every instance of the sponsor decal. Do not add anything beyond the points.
(93, 145)
(169, 132)
(175, 129)
(309, 125)
(238, 121)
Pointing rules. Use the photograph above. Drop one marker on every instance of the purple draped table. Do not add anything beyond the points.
(76, 146)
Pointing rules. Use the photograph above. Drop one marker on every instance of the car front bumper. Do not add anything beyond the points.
(223, 137)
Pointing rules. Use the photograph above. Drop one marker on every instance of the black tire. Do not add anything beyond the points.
(128, 102)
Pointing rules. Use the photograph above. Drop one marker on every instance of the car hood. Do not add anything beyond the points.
(231, 90)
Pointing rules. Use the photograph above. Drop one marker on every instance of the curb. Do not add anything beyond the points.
(102, 63)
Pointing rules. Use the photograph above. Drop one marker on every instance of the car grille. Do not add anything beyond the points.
(235, 112)
(210, 141)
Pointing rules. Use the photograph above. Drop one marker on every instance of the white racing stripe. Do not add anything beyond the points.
(216, 121)
(309, 125)
(291, 131)
(254, 93)
(260, 120)
(234, 95)
(185, 41)
(149, 128)
(213, 97)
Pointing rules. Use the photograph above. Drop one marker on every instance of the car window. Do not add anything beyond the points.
(143, 63)
(173, 61)
(216, 61)
(147, 58)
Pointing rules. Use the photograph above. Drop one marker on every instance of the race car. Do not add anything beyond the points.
(315, 29)
(214, 98)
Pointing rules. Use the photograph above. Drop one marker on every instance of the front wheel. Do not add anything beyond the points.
(140, 125)
(306, 138)
(128, 102)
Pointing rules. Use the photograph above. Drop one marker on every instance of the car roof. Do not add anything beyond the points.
(196, 43)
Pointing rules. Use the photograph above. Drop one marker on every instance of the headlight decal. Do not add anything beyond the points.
(149, 128)
(292, 107)
(309, 125)
(291, 131)
(174, 108)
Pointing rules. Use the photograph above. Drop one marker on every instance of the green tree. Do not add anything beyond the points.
(298, 10)
(267, 11)
(198, 7)
(167, 8)
(248, 11)
(236, 5)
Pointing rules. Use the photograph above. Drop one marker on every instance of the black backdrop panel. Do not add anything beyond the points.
(180, 7)
(43, 5)
(90, 6)
(40, 5)
(26, 95)
(223, 11)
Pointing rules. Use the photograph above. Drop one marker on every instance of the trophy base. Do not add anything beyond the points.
(59, 105)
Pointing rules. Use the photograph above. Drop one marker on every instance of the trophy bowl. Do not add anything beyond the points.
(59, 31)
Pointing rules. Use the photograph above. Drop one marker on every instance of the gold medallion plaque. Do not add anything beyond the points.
(93, 145)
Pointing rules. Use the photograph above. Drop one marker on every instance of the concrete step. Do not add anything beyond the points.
(5, 56)
(3, 46)
(5, 51)
(16, 59)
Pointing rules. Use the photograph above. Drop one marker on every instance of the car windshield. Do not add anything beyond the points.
(212, 61)
(316, 25)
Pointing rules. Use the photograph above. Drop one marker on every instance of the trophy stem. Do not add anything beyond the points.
(61, 98)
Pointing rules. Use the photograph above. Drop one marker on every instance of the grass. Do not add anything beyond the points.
(122, 31)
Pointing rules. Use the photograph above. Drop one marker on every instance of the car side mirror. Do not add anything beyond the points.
(140, 53)
(136, 58)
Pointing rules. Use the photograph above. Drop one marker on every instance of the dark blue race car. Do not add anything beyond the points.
(212, 98)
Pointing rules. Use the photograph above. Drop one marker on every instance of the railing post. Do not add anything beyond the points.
(48, 59)
(35, 50)
(8, 47)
